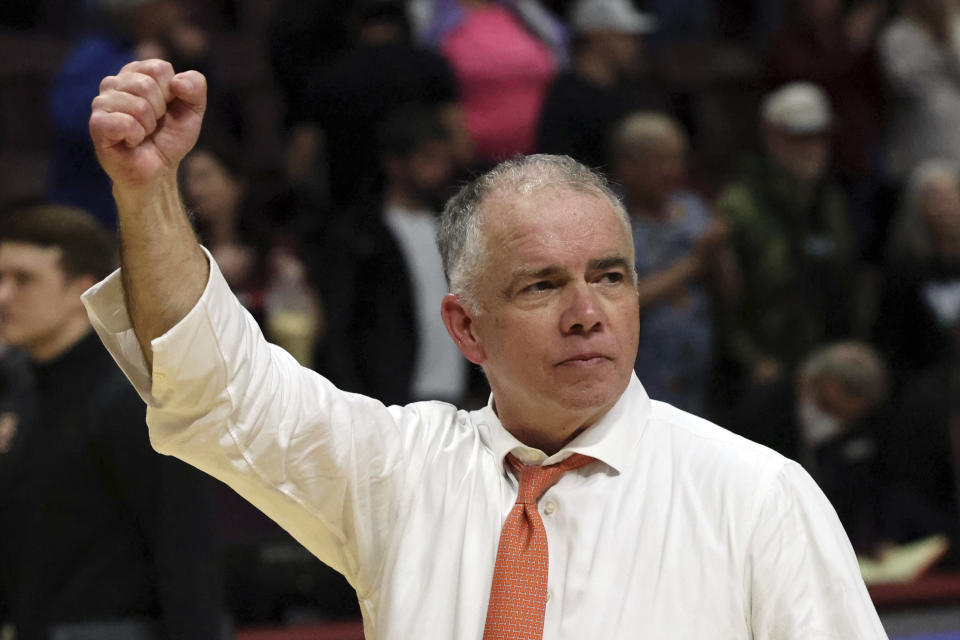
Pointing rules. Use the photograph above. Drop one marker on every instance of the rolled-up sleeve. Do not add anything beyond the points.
(323, 463)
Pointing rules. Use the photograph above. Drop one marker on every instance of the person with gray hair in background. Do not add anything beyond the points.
(571, 506)
(920, 57)
(682, 259)
(832, 417)
(920, 297)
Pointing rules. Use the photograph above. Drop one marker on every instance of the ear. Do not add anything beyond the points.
(458, 320)
(79, 284)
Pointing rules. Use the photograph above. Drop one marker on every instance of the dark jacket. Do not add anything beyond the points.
(96, 525)
(797, 261)
(371, 341)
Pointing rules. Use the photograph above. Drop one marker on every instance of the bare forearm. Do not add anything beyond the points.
(143, 122)
(656, 287)
(164, 269)
(725, 278)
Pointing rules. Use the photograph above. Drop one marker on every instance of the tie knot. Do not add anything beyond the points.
(534, 480)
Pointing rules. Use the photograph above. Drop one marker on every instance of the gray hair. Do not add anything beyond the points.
(910, 236)
(855, 365)
(460, 237)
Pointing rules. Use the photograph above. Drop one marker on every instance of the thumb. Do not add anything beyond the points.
(191, 88)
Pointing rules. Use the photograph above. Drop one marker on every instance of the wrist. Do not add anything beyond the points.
(133, 199)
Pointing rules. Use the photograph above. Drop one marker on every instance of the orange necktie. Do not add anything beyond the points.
(518, 595)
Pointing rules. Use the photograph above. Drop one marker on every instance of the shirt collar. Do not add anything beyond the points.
(610, 440)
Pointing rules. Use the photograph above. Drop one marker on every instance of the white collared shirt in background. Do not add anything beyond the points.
(439, 371)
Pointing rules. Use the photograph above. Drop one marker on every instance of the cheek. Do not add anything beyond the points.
(521, 342)
(627, 316)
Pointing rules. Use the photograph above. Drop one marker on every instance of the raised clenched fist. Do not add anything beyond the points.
(145, 120)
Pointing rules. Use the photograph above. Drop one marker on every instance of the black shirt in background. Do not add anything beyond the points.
(96, 525)
(352, 95)
(578, 117)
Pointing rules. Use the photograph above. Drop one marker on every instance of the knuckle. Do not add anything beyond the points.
(96, 120)
(143, 83)
(108, 83)
(142, 111)
(133, 66)
(157, 67)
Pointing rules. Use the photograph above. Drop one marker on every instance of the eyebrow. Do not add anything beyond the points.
(610, 262)
(597, 264)
(534, 274)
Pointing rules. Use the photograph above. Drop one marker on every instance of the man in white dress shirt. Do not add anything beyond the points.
(675, 529)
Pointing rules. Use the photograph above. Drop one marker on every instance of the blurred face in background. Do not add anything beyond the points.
(806, 157)
(652, 171)
(37, 298)
(940, 207)
(623, 51)
(425, 173)
(826, 408)
(209, 187)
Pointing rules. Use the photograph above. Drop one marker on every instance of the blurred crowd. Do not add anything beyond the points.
(791, 168)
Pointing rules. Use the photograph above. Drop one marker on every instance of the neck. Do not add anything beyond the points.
(546, 431)
(61, 341)
(398, 197)
(592, 67)
(222, 230)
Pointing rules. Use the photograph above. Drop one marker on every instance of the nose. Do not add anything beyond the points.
(582, 311)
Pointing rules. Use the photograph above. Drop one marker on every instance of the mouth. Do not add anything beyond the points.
(584, 360)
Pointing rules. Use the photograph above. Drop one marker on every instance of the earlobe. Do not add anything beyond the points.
(458, 320)
(80, 284)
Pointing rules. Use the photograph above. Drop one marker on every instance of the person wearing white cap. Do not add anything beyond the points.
(791, 231)
(584, 103)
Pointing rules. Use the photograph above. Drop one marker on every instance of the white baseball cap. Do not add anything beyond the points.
(610, 15)
(798, 107)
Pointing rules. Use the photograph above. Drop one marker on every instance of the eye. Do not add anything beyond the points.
(612, 277)
(539, 286)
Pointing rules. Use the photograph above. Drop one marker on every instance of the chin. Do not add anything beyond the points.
(9, 337)
(592, 393)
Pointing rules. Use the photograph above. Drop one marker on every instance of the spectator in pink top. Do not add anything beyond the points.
(504, 56)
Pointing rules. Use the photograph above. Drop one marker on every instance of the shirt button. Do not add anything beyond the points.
(549, 594)
(549, 507)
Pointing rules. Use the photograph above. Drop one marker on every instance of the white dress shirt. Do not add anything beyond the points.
(679, 529)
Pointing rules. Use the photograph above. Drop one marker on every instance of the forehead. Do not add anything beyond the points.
(29, 257)
(554, 223)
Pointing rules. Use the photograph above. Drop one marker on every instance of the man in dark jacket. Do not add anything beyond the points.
(384, 336)
(102, 537)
